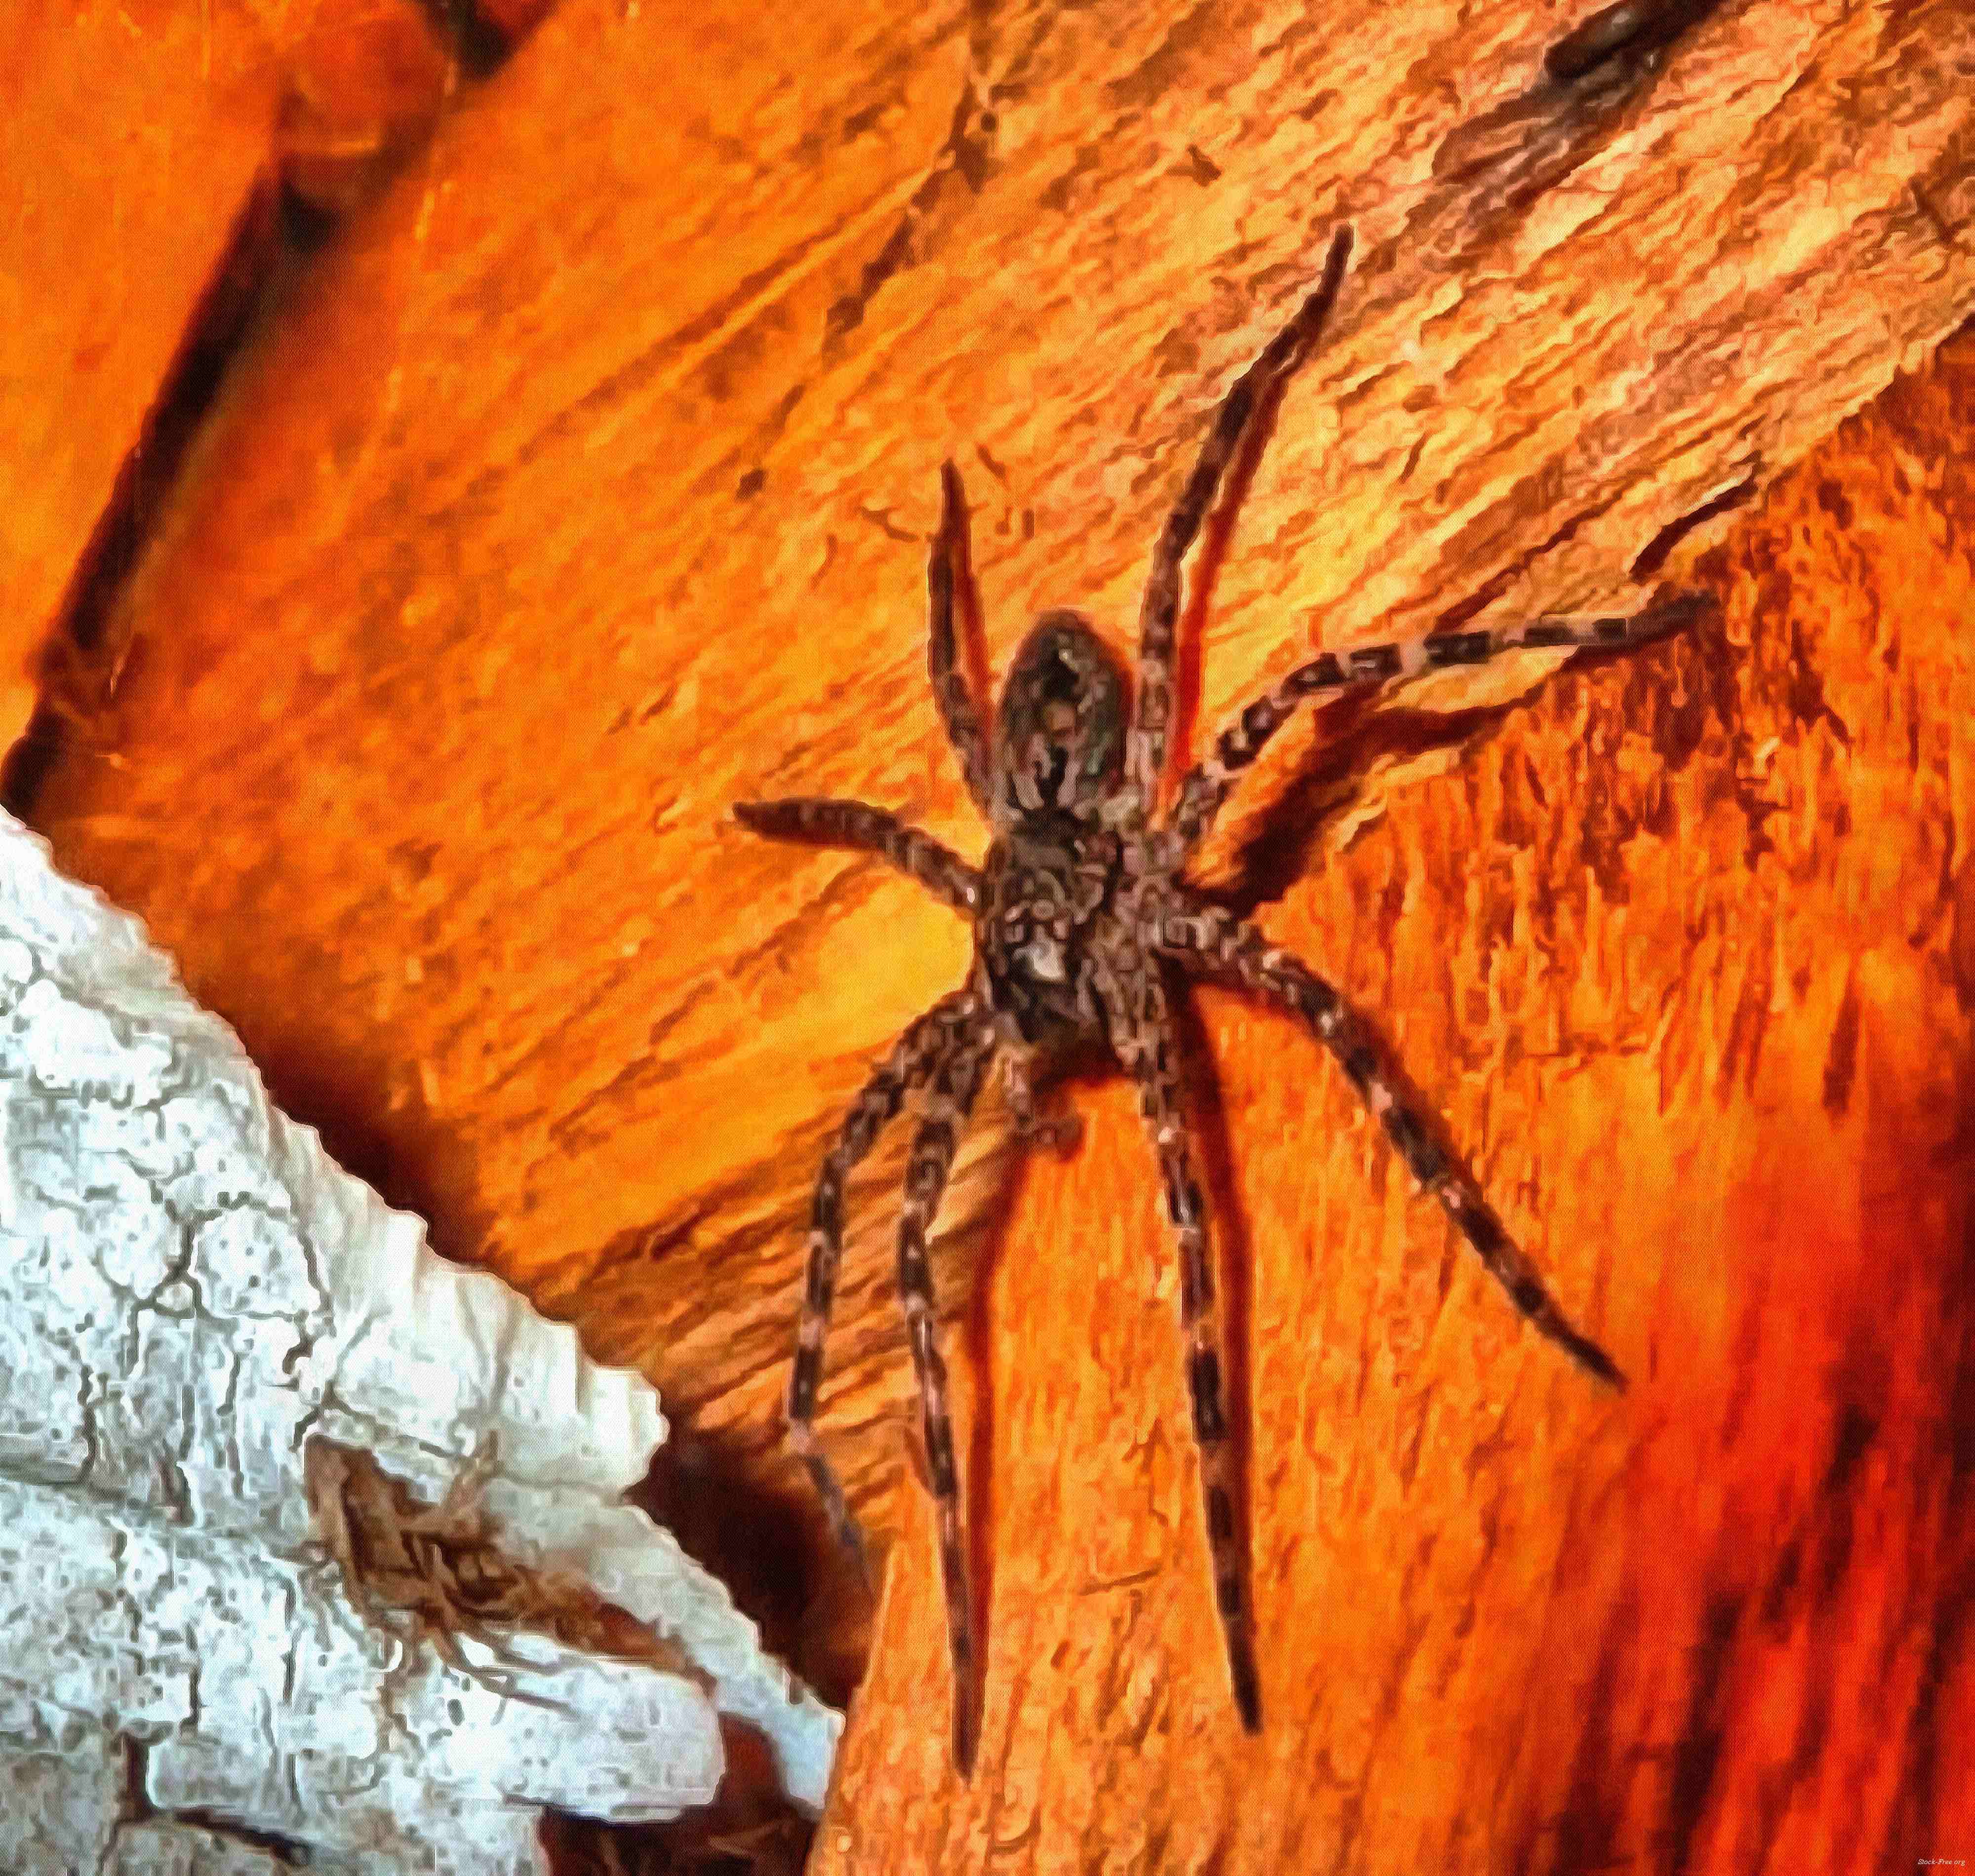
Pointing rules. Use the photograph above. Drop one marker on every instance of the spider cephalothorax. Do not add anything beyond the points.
(1083, 924)
(1052, 874)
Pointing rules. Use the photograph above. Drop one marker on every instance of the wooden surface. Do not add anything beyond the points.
(133, 145)
(145, 147)
(579, 486)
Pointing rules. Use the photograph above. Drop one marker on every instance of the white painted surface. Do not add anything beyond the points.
(192, 1286)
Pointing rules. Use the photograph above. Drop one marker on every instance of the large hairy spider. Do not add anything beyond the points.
(1081, 925)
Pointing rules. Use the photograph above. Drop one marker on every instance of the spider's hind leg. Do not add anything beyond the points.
(1144, 1036)
(1211, 940)
(949, 1102)
(925, 1045)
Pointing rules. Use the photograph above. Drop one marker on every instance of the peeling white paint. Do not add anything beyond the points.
(193, 1286)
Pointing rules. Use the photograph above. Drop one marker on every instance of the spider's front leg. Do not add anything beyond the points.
(1212, 941)
(1158, 612)
(927, 1045)
(1206, 785)
(949, 584)
(947, 1103)
(1141, 1026)
(818, 821)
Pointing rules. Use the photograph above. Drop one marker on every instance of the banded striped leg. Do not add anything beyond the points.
(1206, 785)
(826, 824)
(949, 580)
(1208, 939)
(1158, 612)
(928, 1043)
(947, 1103)
(1141, 1031)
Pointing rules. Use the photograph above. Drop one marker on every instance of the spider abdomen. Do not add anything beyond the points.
(1048, 882)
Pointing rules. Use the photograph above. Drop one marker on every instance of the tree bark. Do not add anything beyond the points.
(581, 488)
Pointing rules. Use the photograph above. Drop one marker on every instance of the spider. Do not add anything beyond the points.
(1083, 923)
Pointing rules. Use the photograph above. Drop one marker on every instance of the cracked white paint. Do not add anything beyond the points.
(192, 1286)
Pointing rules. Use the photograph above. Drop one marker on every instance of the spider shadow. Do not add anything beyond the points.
(1276, 842)
(1217, 541)
(1233, 1263)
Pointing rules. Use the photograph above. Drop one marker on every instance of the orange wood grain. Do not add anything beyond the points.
(580, 487)
(132, 140)
(144, 146)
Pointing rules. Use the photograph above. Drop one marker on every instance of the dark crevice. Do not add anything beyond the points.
(751, 1828)
(289, 1852)
(190, 383)
(769, 1548)
(1633, 29)
(477, 42)
(135, 1806)
(307, 226)
(79, 665)
(1653, 556)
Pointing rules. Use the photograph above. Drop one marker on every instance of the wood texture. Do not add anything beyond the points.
(144, 149)
(580, 488)
(133, 141)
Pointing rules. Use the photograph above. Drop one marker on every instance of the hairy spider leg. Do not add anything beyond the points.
(950, 1099)
(819, 821)
(1159, 611)
(928, 1043)
(1208, 784)
(950, 579)
(1213, 941)
(1147, 1045)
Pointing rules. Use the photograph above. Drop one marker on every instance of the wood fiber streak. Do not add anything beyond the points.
(582, 486)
